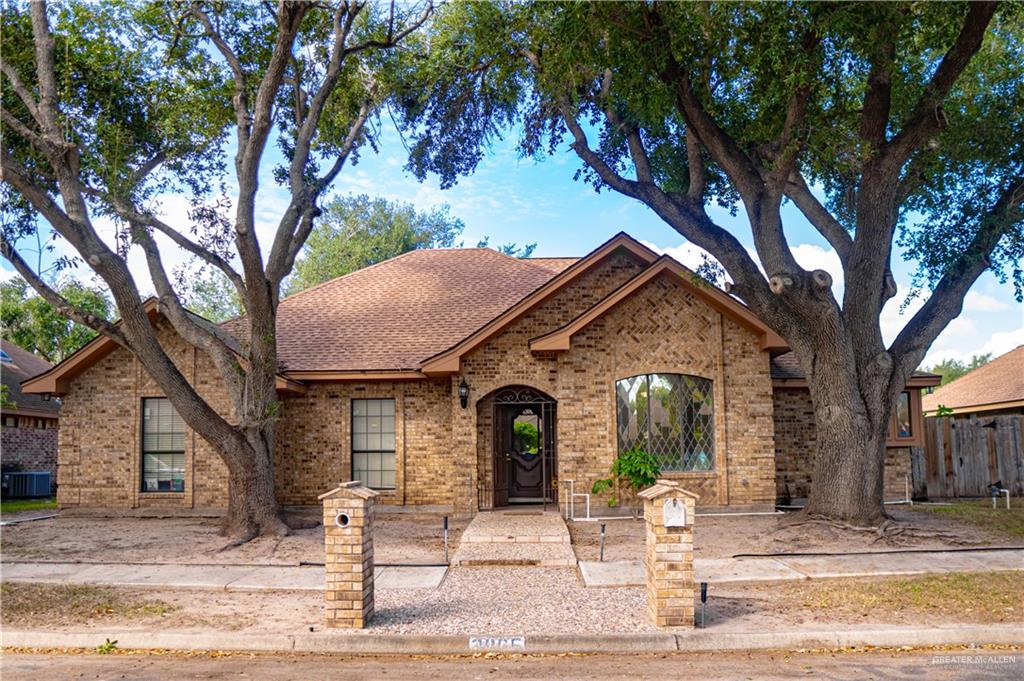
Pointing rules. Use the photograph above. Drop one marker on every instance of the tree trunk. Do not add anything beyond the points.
(252, 503)
(851, 422)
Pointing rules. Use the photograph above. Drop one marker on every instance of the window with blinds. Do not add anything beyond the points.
(163, 447)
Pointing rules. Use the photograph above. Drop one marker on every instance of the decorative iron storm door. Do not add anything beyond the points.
(524, 447)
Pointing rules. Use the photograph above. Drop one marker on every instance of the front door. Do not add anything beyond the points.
(526, 473)
(522, 460)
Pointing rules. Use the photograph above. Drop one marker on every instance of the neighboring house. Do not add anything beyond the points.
(993, 389)
(28, 423)
(458, 380)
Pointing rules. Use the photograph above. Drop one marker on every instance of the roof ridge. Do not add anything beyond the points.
(343, 276)
(986, 368)
(392, 259)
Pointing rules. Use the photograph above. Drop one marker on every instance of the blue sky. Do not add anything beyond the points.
(521, 200)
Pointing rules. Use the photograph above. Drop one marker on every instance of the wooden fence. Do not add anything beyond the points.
(963, 456)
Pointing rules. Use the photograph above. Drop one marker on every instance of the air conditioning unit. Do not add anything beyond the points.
(26, 485)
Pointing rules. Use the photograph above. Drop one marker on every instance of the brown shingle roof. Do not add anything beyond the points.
(556, 265)
(786, 367)
(24, 365)
(998, 382)
(410, 308)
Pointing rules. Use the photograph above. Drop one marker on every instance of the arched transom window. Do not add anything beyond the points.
(670, 416)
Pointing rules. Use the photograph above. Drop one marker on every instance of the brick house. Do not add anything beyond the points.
(28, 423)
(459, 380)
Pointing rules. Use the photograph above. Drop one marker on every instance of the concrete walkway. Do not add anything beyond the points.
(608, 574)
(515, 537)
(749, 570)
(220, 577)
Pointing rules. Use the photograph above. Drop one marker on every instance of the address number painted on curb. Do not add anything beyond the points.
(497, 643)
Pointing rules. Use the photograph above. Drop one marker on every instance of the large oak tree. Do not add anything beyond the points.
(107, 107)
(885, 124)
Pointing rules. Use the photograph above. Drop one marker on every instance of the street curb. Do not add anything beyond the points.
(696, 640)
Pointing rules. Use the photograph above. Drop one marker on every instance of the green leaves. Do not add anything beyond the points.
(35, 325)
(635, 468)
(506, 68)
(357, 231)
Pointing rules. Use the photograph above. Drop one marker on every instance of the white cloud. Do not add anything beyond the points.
(686, 253)
(981, 302)
(961, 340)
(813, 257)
(808, 256)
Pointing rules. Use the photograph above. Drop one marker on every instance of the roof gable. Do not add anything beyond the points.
(20, 365)
(561, 339)
(448, 362)
(57, 380)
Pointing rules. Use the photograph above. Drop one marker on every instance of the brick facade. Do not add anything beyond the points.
(794, 449)
(99, 460)
(443, 451)
(661, 328)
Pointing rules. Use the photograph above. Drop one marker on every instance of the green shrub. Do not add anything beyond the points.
(633, 469)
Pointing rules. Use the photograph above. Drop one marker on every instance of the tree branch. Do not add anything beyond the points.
(819, 216)
(946, 301)
(30, 136)
(637, 152)
(874, 120)
(395, 38)
(133, 216)
(927, 116)
(19, 89)
(59, 302)
(240, 100)
(45, 70)
(183, 322)
(695, 163)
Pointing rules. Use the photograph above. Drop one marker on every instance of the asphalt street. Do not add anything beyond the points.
(890, 665)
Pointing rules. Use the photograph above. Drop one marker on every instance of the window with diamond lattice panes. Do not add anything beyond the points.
(669, 416)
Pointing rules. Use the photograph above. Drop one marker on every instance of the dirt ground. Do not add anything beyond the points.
(409, 539)
(996, 597)
(398, 539)
(723, 536)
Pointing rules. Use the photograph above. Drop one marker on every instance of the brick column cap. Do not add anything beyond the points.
(664, 487)
(349, 490)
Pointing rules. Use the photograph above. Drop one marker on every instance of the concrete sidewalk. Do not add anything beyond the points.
(787, 568)
(608, 574)
(220, 577)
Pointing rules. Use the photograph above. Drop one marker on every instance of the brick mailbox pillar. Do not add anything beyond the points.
(668, 558)
(348, 555)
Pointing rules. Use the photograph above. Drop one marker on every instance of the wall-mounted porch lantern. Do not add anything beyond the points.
(463, 393)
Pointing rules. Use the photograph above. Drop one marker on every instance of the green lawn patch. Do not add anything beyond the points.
(980, 512)
(16, 505)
